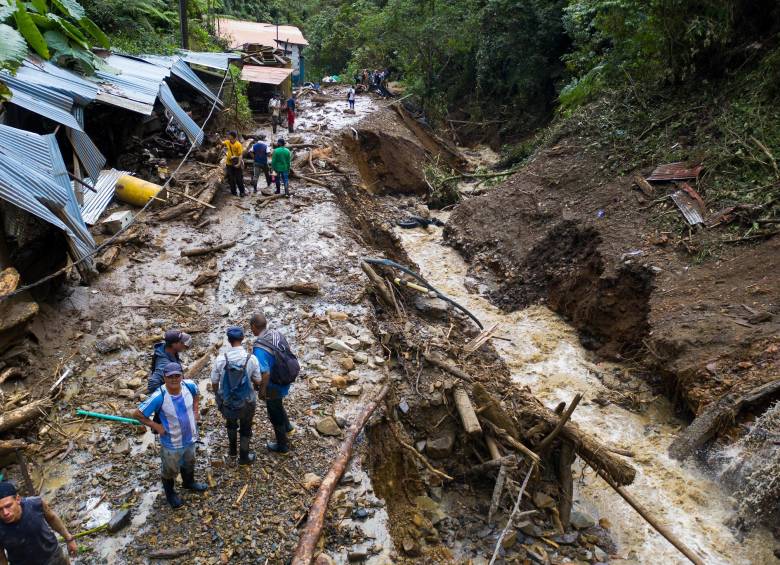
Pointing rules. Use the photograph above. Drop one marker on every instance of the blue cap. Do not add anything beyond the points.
(7, 488)
(172, 369)
(235, 333)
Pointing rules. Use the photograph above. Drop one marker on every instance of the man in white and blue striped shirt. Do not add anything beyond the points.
(177, 404)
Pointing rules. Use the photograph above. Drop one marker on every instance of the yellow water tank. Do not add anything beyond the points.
(136, 191)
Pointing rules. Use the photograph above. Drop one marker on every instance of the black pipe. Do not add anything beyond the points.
(426, 284)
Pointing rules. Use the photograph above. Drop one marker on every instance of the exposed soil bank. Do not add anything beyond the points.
(594, 251)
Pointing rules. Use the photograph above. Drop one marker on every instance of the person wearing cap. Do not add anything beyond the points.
(238, 423)
(280, 163)
(177, 404)
(166, 352)
(27, 527)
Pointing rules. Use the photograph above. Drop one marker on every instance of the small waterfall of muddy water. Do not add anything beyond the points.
(545, 354)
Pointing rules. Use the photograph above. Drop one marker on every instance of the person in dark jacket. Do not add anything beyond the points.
(27, 527)
(166, 352)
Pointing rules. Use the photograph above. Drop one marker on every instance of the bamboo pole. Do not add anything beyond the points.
(304, 552)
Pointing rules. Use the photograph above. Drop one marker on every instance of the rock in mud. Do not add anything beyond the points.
(353, 390)
(509, 540)
(347, 363)
(441, 447)
(311, 481)
(324, 559)
(361, 358)
(122, 447)
(119, 520)
(430, 509)
(434, 307)
(328, 426)
(110, 344)
(337, 345)
(581, 520)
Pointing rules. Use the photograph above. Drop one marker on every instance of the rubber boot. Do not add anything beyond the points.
(280, 445)
(232, 443)
(289, 428)
(188, 481)
(170, 494)
(246, 457)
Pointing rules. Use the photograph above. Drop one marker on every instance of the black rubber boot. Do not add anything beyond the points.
(170, 494)
(245, 456)
(232, 443)
(280, 445)
(289, 428)
(188, 482)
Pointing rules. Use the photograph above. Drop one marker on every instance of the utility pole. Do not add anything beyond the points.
(185, 41)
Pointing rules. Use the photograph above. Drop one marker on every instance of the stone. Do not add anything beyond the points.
(119, 520)
(324, 559)
(360, 358)
(336, 315)
(430, 509)
(357, 556)
(410, 546)
(531, 529)
(126, 393)
(347, 363)
(441, 446)
(435, 307)
(420, 445)
(403, 406)
(352, 342)
(509, 539)
(311, 481)
(600, 554)
(566, 539)
(581, 520)
(542, 500)
(122, 447)
(354, 390)
(605, 523)
(110, 344)
(337, 345)
(379, 360)
(338, 381)
(135, 383)
(327, 426)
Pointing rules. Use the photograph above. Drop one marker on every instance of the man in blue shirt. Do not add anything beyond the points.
(260, 152)
(273, 393)
(291, 102)
(176, 341)
(177, 404)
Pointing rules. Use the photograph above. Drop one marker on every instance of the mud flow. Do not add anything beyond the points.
(470, 456)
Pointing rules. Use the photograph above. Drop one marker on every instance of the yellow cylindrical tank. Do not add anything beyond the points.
(136, 191)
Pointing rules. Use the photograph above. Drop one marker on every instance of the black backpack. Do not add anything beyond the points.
(286, 367)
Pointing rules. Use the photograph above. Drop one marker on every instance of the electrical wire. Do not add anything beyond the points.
(142, 211)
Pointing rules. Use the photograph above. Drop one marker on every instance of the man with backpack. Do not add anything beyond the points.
(167, 351)
(279, 367)
(177, 403)
(234, 373)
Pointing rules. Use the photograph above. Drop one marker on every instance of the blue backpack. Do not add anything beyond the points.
(286, 367)
(235, 390)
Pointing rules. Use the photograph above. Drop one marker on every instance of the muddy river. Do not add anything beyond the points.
(545, 354)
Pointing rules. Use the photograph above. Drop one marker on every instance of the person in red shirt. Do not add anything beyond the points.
(290, 119)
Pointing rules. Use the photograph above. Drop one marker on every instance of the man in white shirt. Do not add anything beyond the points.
(275, 107)
(351, 98)
(234, 376)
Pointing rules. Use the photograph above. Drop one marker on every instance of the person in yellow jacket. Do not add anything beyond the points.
(234, 164)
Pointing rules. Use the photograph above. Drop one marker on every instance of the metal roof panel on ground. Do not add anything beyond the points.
(41, 100)
(183, 71)
(211, 60)
(265, 75)
(239, 32)
(33, 177)
(193, 131)
(95, 203)
(88, 153)
(675, 171)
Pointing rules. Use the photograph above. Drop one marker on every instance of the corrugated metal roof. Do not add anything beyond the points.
(675, 171)
(33, 177)
(88, 153)
(49, 75)
(129, 66)
(210, 60)
(265, 75)
(239, 32)
(41, 100)
(193, 131)
(135, 88)
(185, 73)
(688, 207)
(96, 202)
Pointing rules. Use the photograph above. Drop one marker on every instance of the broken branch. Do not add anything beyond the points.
(545, 443)
(195, 251)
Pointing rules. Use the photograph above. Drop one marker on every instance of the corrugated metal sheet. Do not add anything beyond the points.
(265, 75)
(129, 66)
(183, 71)
(675, 171)
(210, 60)
(88, 153)
(688, 207)
(193, 131)
(33, 177)
(134, 88)
(49, 75)
(41, 100)
(95, 203)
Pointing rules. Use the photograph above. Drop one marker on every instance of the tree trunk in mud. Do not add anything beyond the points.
(304, 552)
(14, 418)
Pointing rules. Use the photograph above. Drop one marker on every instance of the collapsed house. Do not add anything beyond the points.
(58, 132)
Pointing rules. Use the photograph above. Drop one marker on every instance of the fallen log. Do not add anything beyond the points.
(171, 553)
(198, 365)
(309, 179)
(307, 288)
(205, 277)
(592, 451)
(468, 416)
(304, 552)
(545, 443)
(715, 417)
(565, 478)
(492, 411)
(22, 461)
(17, 417)
(11, 373)
(513, 443)
(195, 251)
(266, 201)
(8, 445)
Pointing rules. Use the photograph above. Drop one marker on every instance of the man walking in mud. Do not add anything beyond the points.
(177, 402)
(260, 152)
(234, 376)
(279, 368)
(234, 164)
(27, 527)
(280, 163)
(167, 351)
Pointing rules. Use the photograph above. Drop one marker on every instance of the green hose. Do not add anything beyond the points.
(110, 417)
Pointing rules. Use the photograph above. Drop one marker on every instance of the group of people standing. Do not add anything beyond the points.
(275, 108)
(238, 378)
(273, 161)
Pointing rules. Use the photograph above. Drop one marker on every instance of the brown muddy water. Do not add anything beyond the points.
(545, 354)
